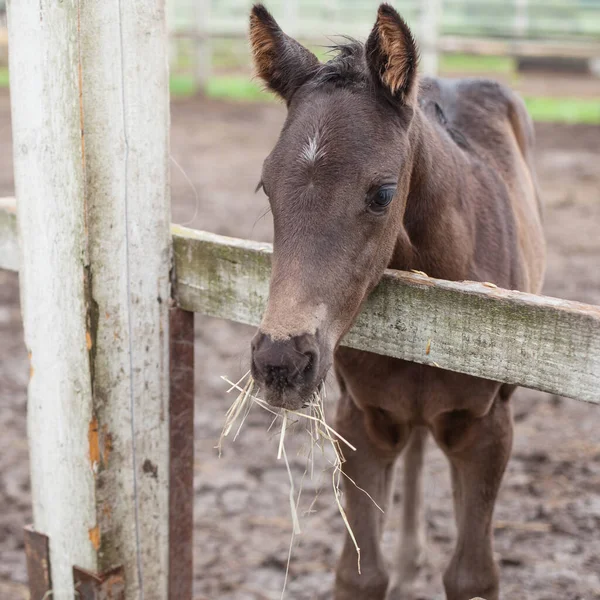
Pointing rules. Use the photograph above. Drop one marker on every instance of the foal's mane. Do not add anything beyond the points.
(347, 68)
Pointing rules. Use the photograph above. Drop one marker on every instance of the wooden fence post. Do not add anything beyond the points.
(521, 23)
(290, 17)
(430, 18)
(202, 57)
(90, 116)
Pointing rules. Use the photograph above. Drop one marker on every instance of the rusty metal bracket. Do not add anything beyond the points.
(107, 586)
(181, 468)
(37, 551)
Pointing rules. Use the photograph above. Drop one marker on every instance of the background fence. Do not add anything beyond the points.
(557, 28)
(208, 37)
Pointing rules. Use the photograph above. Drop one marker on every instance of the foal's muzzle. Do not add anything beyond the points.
(286, 370)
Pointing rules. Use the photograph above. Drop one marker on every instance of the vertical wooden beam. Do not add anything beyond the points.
(430, 18)
(90, 115)
(202, 63)
(521, 23)
(181, 491)
(290, 17)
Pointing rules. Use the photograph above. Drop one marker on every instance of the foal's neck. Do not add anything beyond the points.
(433, 238)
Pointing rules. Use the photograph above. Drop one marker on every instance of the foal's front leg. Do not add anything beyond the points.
(411, 550)
(371, 468)
(478, 450)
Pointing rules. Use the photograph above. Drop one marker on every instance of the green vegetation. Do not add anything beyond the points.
(241, 88)
(182, 85)
(564, 110)
(237, 88)
(232, 55)
(471, 63)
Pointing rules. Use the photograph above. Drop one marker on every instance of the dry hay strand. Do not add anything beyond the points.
(320, 434)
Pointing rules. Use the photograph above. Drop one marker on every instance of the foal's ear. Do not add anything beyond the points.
(281, 62)
(392, 55)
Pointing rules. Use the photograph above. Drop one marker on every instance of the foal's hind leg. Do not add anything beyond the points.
(478, 450)
(371, 468)
(411, 550)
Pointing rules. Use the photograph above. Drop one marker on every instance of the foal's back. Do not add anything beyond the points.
(490, 124)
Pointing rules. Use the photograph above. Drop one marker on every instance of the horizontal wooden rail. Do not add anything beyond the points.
(571, 47)
(534, 341)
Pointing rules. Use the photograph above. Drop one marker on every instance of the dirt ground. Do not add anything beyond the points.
(548, 512)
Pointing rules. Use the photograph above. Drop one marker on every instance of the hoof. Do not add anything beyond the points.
(359, 590)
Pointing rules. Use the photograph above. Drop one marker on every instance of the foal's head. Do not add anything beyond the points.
(337, 181)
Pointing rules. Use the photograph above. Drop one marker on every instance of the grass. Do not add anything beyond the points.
(241, 88)
(555, 110)
(233, 54)
(182, 85)
(237, 88)
(470, 63)
(564, 110)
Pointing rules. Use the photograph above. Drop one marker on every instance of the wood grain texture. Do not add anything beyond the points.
(90, 116)
(49, 183)
(534, 341)
(125, 109)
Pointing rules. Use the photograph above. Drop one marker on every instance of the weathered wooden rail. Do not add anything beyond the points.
(495, 28)
(535, 341)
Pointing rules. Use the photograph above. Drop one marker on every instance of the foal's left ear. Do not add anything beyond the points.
(392, 56)
(281, 62)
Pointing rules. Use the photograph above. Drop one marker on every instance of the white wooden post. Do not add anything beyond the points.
(90, 117)
(290, 17)
(430, 17)
(521, 18)
(202, 46)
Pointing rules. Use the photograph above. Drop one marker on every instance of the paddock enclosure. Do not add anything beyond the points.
(101, 459)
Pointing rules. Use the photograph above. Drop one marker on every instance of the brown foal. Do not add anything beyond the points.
(375, 168)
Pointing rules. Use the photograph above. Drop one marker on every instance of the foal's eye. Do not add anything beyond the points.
(382, 198)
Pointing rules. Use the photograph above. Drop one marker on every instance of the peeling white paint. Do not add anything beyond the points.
(90, 115)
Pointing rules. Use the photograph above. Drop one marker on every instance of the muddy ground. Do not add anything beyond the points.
(548, 512)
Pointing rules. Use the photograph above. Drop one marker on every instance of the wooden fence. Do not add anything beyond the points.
(89, 87)
(518, 28)
(109, 290)
(476, 328)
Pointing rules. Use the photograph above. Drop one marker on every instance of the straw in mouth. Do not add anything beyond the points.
(319, 433)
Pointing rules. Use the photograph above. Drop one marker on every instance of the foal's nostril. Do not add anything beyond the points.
(284, 363)
(311, 361)
(276, 376)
